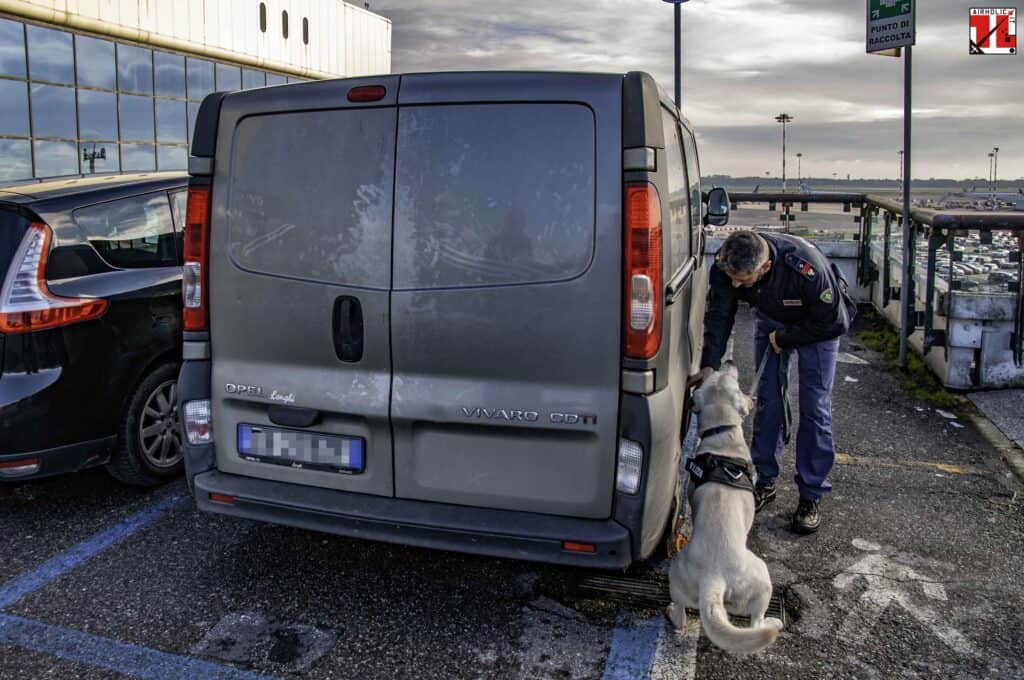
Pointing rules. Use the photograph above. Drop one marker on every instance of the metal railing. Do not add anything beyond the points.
(937, 230)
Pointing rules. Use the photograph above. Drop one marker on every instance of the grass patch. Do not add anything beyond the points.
(919, 381)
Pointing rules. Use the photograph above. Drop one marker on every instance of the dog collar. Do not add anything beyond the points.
(708, 467)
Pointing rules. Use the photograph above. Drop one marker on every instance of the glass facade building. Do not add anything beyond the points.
(75, 104)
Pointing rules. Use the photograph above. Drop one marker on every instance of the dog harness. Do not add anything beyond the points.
(707, 467)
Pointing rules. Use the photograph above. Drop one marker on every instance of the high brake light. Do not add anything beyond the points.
(26, 303)
(195, 274)
(643, 295)
(367, 93)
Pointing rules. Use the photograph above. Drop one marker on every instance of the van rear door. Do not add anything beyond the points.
(300, 277)
(506, 307)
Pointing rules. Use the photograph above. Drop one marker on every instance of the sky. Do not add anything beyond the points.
(744, 62)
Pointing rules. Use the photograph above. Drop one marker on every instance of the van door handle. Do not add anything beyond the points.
(348, 329)
(678, 283)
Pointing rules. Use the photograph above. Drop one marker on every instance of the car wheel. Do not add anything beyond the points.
(149, 450)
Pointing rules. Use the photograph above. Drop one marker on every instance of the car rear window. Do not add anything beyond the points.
(12, 229)
(311, 193)
(131, 233)
(492, 194)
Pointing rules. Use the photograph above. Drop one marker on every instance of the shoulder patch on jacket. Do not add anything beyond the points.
(801, 265)
(826, 296)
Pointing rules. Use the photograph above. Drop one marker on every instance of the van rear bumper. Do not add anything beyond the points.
(498, 533)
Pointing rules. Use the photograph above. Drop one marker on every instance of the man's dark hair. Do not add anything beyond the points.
(742, 253)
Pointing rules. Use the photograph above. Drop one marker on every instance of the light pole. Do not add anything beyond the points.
(783, 118)
(991, 157)
(799, 170)
(899, 173)
(678, 49)
(995, 167)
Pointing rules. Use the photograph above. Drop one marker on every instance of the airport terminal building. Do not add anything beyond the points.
(105, 86)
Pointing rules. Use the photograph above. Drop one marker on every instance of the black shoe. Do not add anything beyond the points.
(763, 495)
(806, 519)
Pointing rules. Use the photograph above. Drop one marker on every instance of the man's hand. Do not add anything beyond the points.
(775, 345)
(696, 380)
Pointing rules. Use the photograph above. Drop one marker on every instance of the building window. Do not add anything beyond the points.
(263, 17)
(53, 111)
(97, 115)
(284, 24)
(251, 79)
(56, 158)
(136, 118)
(17, 159)
(134, 69)
(96, 65)
(50, 56)
(13, 108)
(228, 77)
(169, 72)
(305, 31)
(12, 48)
(200, 78)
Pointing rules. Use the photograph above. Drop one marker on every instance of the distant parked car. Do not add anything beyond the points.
(90, 326)
(999, 277)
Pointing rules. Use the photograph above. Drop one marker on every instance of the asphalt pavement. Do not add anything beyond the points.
(915, 573)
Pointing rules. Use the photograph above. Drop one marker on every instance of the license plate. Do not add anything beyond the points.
(301, 449)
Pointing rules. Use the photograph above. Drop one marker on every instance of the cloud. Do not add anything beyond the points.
(745, 61)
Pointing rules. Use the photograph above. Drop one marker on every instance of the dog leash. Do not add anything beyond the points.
(783, 378)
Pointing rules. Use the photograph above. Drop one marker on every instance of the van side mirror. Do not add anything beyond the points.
(718, 207)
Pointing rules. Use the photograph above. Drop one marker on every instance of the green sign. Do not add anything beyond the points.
(887, 9)
(890, 24)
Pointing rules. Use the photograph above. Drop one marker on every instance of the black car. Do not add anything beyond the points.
(90, 326)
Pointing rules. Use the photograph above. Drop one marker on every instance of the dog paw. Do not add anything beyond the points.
(773, 623)
(676, 615)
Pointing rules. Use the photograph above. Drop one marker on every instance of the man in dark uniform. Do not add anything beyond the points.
(800, 305)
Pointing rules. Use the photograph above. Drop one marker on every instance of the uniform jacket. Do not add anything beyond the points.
(800, 291)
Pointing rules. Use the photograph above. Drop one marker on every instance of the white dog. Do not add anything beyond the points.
(716, 572)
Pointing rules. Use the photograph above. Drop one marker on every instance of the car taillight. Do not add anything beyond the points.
(195, 275)
(26, 303)
(643, 298)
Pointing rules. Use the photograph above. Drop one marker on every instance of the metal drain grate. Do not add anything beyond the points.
(654, 594)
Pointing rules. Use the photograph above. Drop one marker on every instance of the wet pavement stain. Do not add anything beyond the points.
(257, 641)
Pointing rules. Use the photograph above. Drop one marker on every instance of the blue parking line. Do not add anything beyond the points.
(634, 643)
(24, 585)
(112, 655)
(633, 647)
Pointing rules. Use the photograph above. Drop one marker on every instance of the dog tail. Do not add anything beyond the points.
(720, 630)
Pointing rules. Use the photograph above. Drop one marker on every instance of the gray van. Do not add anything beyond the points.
(453, 310)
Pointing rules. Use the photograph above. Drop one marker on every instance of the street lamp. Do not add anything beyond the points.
(799, 171)
(991, 158)
(783, 118)
(678, 49)
(995, 167)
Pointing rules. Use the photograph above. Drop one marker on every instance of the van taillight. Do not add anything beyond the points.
(643, 297)
(26, 303)
(195, 274)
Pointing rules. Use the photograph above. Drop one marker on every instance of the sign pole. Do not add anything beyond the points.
(906, 291)
(892, 26)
